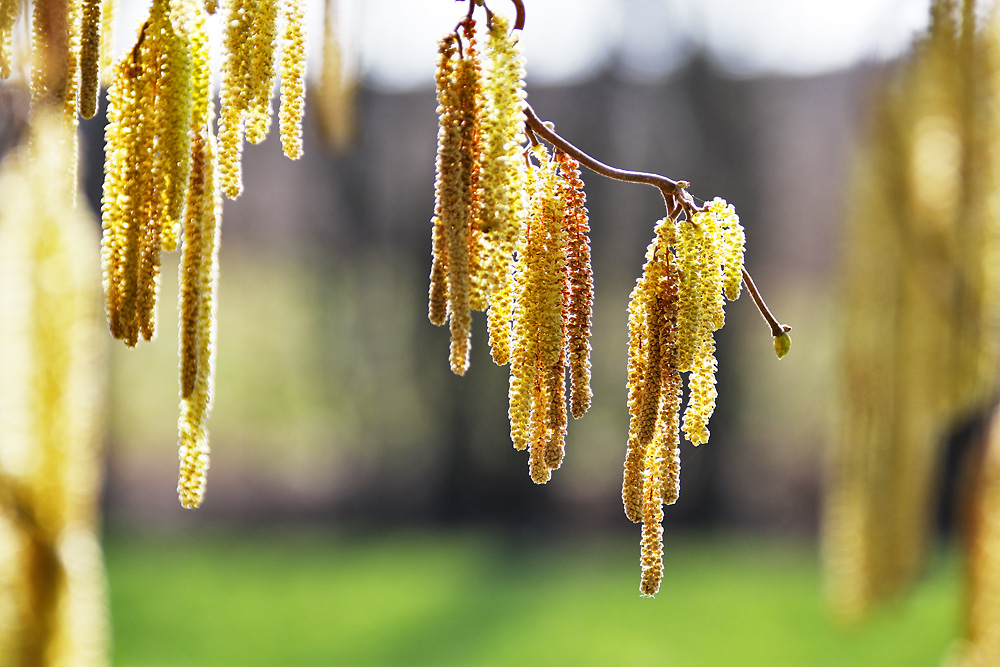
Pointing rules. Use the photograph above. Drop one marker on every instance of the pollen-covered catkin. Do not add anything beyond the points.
(199, 283)
(537, 408)
(580, 283)
(90, 57)
(652, 357)
(9, 10)
(234, 94)
(293, 79)
(263, 40)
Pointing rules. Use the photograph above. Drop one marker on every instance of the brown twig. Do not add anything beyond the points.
(776, 328)
(674, 193)
(668, 187)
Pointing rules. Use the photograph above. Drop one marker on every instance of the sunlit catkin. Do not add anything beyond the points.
(198, 277)
(90, 57)
(9, 10)
(53, 602)
(456, 196)
(537, 363)
(234, 95)
(263, 41)
(293, 78)
(580, 283)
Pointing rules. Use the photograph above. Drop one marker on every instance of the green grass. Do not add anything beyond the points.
(473, 599)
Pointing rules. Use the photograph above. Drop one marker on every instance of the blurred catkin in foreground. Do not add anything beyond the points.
(52, 597)
(922, 301)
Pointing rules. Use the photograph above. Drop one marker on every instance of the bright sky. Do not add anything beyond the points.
(566, 40)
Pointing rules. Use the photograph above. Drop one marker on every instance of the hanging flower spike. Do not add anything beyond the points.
(652, 356)
(448, 144)
(9, 10)
(459, 197)
(263, 39)
(581, 283)
(293, 79)
(90, 57)
(234, 95)
(503, 178)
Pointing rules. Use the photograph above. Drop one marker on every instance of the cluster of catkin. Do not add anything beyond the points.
(692, 265)
(921, 338)
(510, 236)
(164, 174)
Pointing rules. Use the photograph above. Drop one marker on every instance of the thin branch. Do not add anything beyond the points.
(674, 195)
(668, 187)
(776, 328)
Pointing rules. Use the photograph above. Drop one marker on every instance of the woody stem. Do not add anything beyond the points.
(776, 328)
(673, 193)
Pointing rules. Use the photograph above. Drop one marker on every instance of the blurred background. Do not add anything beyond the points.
(365, 506)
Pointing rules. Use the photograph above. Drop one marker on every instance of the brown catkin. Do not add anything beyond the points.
(90, 57)
(581, 284)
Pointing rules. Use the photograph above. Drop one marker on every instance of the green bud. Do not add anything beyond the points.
(782, 344)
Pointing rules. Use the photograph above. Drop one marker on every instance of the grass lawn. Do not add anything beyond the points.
(304, 598)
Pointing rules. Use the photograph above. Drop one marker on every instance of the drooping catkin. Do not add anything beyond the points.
(199, 204)
(9, 10)
(234, 94)
(580, 283)
(174, 107)
(263, 39)
(458, 195)
(90, 57)
(652, 356)
(198, 279)
(293, 78)
(537, 362)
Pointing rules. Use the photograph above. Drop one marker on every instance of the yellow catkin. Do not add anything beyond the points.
(503, 179)
(293, 79)
(537, 381)
(652, 357)
(121, 106)
(581, 284)
(437, 310)
(534, 282)
(9, 10)
(446, 168)
(263, 38)
(234, 96)
(109, 8)
(49, 411)
(461, 199)
(165, 92)
(90, 57)
(651, 548)
(174, 104)
(198, 283)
